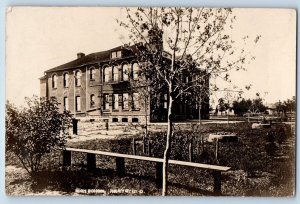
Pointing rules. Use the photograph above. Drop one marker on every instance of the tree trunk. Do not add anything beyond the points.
(200, 123)
(168, 149)
(146, 128)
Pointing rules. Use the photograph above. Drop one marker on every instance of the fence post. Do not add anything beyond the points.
(66, 158)
(91, 161)
(217, 182)
(133, 146)
(149, 148)
(120, 166)
(217, 151)
(159, 174)
(190, 152)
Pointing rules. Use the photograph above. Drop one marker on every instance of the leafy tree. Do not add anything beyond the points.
(257, 106)
(241, 107)
(35, 130)
(286, 106)
(223, 106)
(290, 104)
(180, 49)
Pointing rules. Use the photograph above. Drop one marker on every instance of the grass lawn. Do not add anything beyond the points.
(262, 161)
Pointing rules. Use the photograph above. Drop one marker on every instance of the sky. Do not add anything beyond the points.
(40, 38)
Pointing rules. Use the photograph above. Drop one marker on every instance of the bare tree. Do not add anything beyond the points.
(181, 48)
(141, 92)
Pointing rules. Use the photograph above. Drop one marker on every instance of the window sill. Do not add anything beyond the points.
(92, 79)
(115, 110)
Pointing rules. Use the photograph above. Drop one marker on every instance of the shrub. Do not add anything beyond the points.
(35, 130)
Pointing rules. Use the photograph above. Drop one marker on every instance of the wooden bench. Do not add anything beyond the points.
(120, 164)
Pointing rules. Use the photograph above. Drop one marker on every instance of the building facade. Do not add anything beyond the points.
(97, 85)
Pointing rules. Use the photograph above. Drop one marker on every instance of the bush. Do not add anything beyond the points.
(122, 145)
(35, 130)
(180, 142)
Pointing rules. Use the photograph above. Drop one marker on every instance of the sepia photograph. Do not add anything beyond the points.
(150, 101)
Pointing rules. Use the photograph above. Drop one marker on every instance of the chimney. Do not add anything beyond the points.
(80, 55)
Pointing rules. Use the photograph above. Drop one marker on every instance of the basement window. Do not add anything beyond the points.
(135, 120)
(125, 120)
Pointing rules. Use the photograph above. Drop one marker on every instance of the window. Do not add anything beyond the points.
(66, 80)
(135, 120)
(107, 71)
(93, 99)
(66, 104)
(115, 102)
(78, 105)
(124, 120)
(115, 73)
(125, 101)
(119, 54)
(77, 78)
(165, 101)
(135, 104)
(106, 102)
(92, 73)
(187, 79)
(54, 81)
(125, 72)
(113, 55)
(115, 120)
(116, 54)
(135, 71)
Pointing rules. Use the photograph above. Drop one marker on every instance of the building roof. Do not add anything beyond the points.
(43, 77)
(90, 59)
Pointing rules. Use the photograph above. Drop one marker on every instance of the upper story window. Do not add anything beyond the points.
(107, 73)
(66, 79)
(77, 78)
(92, 73)
(135, 71)
(125, 72)
(116, 54)
(54, 81)
(115, 73)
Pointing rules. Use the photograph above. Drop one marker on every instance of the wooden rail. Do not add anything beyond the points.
(120, 164)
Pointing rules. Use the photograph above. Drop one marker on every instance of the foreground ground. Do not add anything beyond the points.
(262, 161)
